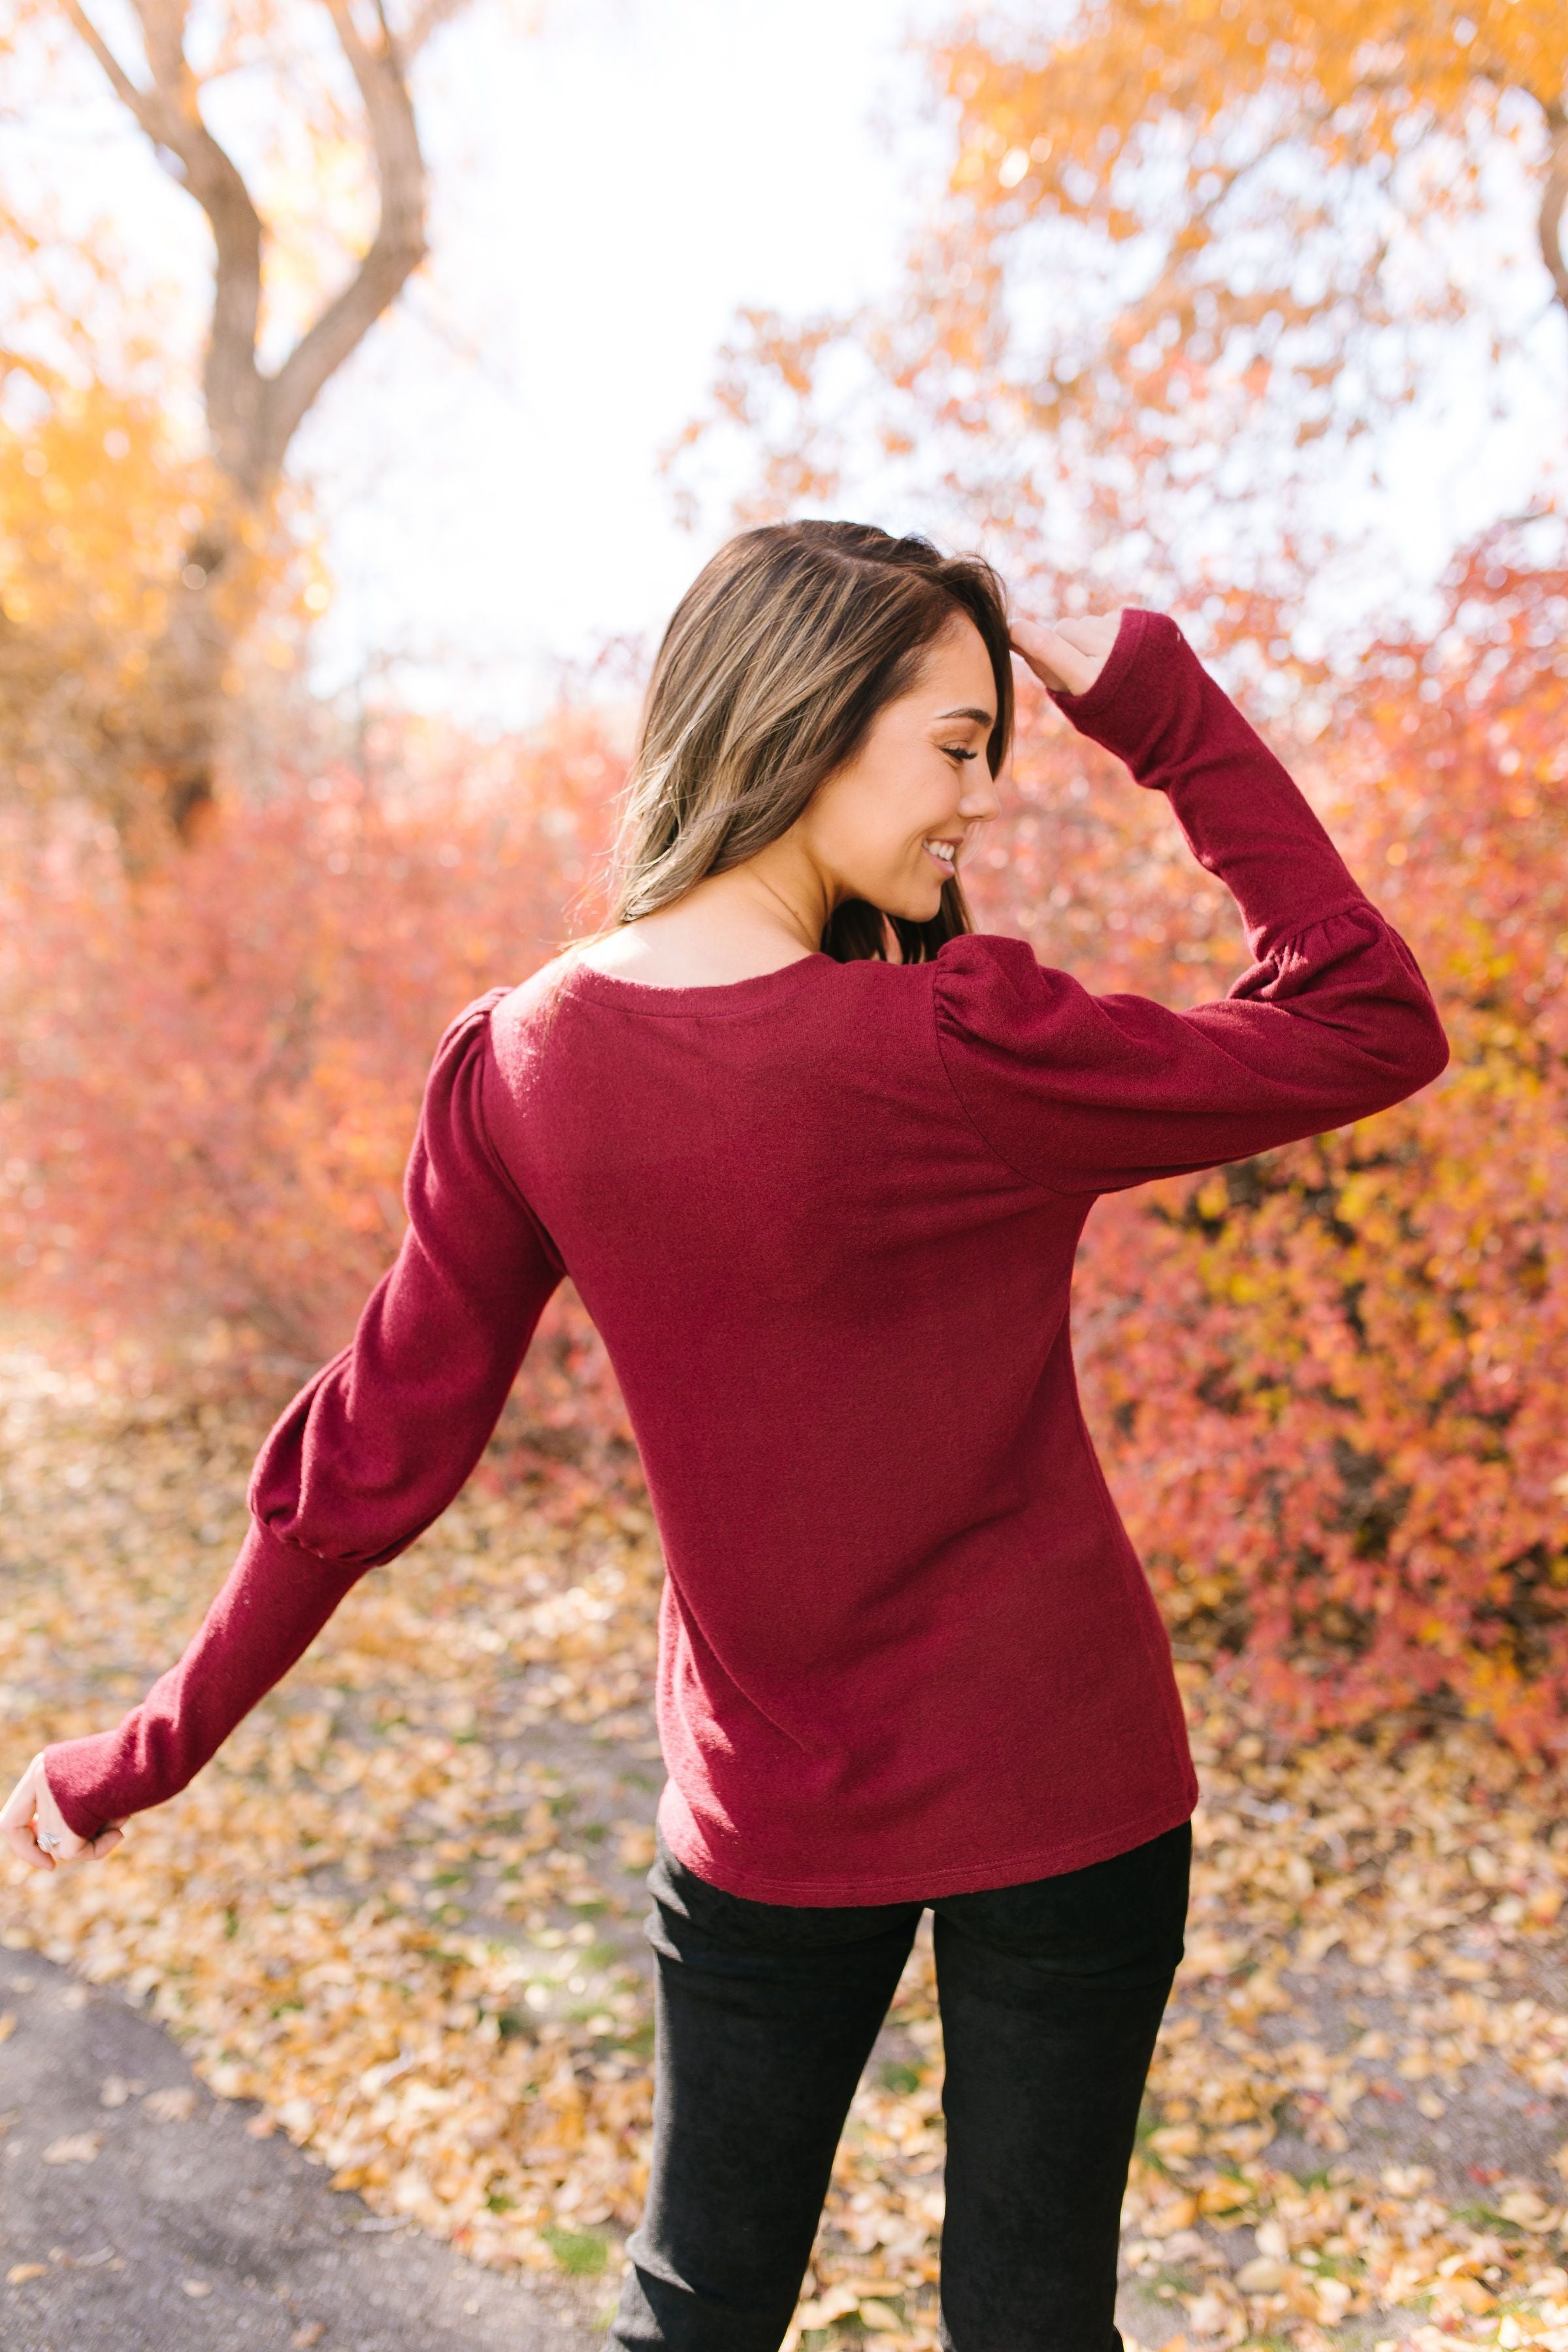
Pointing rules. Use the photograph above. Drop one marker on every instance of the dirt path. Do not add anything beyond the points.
(183, 2233)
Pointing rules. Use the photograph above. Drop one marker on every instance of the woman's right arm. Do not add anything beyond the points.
(370, 1452)
(1332, 1021)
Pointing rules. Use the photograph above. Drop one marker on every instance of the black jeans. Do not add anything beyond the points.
(1051, 1996)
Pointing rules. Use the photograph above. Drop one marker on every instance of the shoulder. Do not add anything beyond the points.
(994, 998)
(469, 1028)
(985, 969)
(518, 1021)
(494, 1032)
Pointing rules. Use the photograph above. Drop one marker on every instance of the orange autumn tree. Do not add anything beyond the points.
(1190, 260)
(1271, 194)
(139, 552)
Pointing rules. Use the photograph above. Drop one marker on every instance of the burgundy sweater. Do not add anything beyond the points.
(824, 1220)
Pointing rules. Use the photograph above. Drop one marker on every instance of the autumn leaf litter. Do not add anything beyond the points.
(400, 1911)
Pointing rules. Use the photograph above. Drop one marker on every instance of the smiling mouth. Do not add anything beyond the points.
(943, 853)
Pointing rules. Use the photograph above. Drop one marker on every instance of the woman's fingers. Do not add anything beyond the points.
(16, 1817)
(48, 1821)
(1045, 651)
(30, 1815)
(1066, 655)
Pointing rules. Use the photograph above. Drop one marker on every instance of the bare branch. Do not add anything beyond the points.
(427, 19)
(144, 104)
(394, 253)
(252, 418)
(171, 116)
(1554, 198)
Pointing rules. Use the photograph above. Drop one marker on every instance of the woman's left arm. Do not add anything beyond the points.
(370, 1452)
(1332, 1021)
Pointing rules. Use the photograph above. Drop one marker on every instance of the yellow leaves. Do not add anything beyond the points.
(1212, 1198)
(821, 2311)
(635, 1845)
(1406, 2179)
(91, 533)
(1527, 2210)
(1457, 2294)
(1211, 1953)
(1176, 2213)
(174, 2105)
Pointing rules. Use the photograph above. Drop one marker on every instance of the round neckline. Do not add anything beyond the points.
(712, 996)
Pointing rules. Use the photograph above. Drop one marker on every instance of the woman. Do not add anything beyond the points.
(818, 1157)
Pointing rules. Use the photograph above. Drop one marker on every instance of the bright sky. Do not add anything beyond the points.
(608, 193)
(607, 190)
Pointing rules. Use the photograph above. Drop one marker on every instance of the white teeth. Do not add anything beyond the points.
(942, 849)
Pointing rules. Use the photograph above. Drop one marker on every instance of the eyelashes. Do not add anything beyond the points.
(956, 752)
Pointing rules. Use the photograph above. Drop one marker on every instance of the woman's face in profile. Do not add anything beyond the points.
(891, 826)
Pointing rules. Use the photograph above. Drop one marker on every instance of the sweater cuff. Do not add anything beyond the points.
(276, 1600)
(1120, 661)
(74, 1768)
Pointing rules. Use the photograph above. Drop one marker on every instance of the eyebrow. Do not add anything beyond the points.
(981, 717)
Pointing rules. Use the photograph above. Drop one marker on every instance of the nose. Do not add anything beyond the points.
(980, 799)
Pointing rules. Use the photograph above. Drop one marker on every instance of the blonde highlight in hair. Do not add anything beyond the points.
(774, 664)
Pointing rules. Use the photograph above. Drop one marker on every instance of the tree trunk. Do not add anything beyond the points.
(176, 741)
(186, 701)
(1554, 197)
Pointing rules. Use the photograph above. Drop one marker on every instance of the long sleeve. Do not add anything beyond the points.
(1331, 1021)
(370, 1452)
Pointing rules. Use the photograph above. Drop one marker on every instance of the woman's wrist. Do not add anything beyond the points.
(1122, 659)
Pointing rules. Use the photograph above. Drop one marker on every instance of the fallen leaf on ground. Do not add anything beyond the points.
(175, 2105)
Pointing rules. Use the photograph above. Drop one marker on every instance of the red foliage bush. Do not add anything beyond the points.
(1327, 1383)
(208, 1083)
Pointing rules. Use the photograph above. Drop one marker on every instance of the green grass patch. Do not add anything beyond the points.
(582, 2252)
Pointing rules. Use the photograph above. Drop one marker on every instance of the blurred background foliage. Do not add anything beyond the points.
(1187, 262)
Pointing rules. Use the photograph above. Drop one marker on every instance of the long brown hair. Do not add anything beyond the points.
(776, 661)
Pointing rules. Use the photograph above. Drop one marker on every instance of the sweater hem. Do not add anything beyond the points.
(972, 1878)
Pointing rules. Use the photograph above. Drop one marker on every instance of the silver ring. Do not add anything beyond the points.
(50, 1845)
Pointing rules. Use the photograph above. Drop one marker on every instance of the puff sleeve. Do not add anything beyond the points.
(1331, 1021)
(370, 1452)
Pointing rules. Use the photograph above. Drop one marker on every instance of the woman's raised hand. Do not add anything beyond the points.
(36, 1829)
(1067, 654)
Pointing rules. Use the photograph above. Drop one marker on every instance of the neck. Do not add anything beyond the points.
(778, 895)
